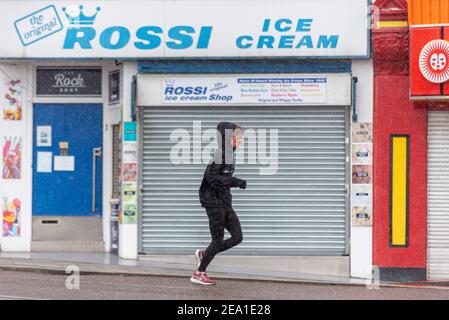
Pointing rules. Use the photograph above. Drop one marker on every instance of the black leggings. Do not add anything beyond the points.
(219, 219)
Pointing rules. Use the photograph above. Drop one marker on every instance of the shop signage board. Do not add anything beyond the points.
(245, 89)
(429, 62)
(130, 131)
(68, 82)
(260, 90)
(114, 87)
(191, 28)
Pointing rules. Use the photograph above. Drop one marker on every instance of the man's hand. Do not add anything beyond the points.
(242, 184)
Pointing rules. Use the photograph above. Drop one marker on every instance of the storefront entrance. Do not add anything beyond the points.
(300, 209)
(438, 195)
(67, 172)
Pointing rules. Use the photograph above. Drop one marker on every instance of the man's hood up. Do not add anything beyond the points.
(225, 152)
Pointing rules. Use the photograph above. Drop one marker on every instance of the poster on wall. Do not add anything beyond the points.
(362, 194)
(129, 214)
(11, 157)
(129, 193)
(12, 95)
(130, 152)
(11, 209)
(129, 167)
(362, 174)
(362, 132)
(129, 203)
(362, 153)
(362, 216)
(130, 172)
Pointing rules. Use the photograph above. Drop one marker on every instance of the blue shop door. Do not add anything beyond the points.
(69, 193)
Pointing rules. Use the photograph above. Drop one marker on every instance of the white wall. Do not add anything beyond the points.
(128, 233)
(361, 237)
(22, 189)
(17, 188)
(112, 115)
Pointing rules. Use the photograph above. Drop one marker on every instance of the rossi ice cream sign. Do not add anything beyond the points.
(166, 28)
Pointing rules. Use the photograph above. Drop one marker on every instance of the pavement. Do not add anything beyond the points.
(20, 285)
(105, 263)
(111, 264)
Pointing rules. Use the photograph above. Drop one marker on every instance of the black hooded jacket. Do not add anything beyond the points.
(218, 180)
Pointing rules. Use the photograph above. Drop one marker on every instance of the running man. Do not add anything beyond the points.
(215, 196)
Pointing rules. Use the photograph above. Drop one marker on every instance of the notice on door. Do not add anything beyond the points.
(43, 135)
(64, 163)
(44, 162)
(245, 90)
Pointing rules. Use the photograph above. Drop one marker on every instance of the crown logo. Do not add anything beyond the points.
(81, 19)
(169, 82)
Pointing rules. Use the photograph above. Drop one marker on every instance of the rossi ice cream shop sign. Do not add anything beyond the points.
(143, 29)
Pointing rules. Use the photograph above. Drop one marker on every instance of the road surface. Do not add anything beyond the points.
(33, 285)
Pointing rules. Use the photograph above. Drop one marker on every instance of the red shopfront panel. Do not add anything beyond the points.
(419, 38)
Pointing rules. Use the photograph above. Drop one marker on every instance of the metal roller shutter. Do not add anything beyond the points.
(116, 149)
(301, 210)
(438, 195)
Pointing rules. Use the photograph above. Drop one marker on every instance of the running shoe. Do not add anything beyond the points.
(201, 278)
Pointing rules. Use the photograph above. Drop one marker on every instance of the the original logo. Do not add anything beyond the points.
(434, 61)
(38, 25)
